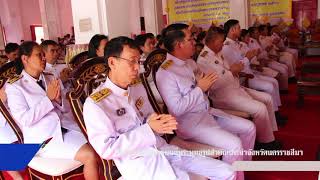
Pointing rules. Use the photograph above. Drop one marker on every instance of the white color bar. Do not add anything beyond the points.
(276, 166)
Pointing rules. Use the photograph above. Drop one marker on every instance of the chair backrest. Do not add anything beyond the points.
(151, 65)
(7, 71)
(89, 75)
(78, 59)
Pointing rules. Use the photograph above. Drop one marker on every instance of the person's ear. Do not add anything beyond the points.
(111, 62)
(24, 59)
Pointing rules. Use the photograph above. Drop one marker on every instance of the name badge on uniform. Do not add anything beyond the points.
(121, 111)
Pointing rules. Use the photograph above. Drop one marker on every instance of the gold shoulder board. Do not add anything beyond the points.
(14, 79)
(167, 64)
(98, 96)
(135, 82)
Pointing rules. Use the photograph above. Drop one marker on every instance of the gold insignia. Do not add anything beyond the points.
(98, 96)
(135, 82)
(167, 64)
(139, 103)
(204, 54)
(14, 79)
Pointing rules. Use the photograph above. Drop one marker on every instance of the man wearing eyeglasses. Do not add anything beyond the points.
(184, 87)
(122, 125)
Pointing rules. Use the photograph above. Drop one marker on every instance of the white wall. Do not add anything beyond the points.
(121, 15)
(65, 15)
(84, 9)
(239, 11)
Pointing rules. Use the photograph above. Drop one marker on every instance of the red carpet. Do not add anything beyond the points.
(302, 132)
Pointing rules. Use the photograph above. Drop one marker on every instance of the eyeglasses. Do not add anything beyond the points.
(131, 62)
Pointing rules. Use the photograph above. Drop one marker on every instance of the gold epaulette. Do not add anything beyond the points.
(135, 82)
(204, 54)
(98, 96)
(167, 64)
(14, 79)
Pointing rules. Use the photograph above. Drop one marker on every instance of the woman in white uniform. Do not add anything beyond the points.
(34, 100)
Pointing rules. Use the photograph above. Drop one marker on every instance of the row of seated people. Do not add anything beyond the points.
(120, 121)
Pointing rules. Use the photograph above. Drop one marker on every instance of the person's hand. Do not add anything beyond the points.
(3, 95)
(250, 54)
(205, 82)
(65, 74)
(162, 123)
(235, 68)
(53, 90)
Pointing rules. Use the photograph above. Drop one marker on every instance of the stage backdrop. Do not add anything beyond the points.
(265, 11)
(199, 12)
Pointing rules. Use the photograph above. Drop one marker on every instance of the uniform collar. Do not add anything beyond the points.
(116, 89)
(230, 40)
(25, 74)
(176, 60)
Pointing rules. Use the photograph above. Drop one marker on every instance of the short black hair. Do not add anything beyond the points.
(46, 43)
(214, 32)
(150, 35)
(201, 36)
(94, 44)
(244, 32)
(11, 47)
(262, 27)
(252, 29)
(115, 46)
(141, 39)
(172, 34)
(229, 24)
(26, 49)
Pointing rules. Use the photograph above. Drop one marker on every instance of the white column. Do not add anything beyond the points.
(49, 10)
(109, 17)
(318, 10)
(153, 15)
(239, 10)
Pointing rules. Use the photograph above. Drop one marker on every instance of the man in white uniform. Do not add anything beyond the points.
(232, 54)
(50, 49)
(284, 57)
(265, 57)
(35, 102)
(228, 93)
(122, 125)
(183, 88)
(60, 71)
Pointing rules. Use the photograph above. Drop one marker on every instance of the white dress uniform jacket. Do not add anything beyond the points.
(227, 93)
(274, 65)
(116, 123)
(177, 84)
(285, 58)
(232, 53)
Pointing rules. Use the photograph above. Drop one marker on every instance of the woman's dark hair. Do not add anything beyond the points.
(26, 49)
(94, 44)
